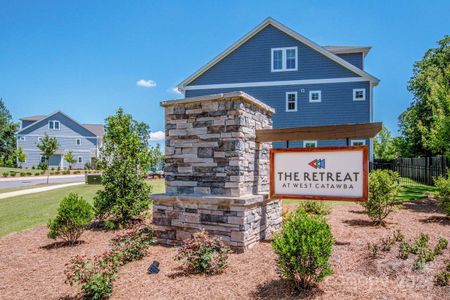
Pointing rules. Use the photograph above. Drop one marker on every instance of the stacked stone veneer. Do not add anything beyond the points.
(217, 176)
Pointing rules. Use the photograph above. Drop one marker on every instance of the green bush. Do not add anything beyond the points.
(383, 189)
(315, 207)
(443, 192)
(94, 179)
(37, 174)
(12, 173)
(74, 213)
(303, 248)
(5, 174)
(23, 174)
(97, 275)
(29, 173)
(203, 254)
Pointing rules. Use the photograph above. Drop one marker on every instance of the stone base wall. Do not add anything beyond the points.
(240, 221)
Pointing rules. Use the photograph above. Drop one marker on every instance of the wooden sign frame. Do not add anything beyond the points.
(365, 175)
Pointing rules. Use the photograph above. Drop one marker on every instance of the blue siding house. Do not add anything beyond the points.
(83, 140)
(306, 83)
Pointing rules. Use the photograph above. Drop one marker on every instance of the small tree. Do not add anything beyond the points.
(74, 213)
(70, 159)
(156, 156)
(125, 159)
(20, 156)
(48, 146)
(303, 248)
(384, 146)
(443, 192)
(383, 189)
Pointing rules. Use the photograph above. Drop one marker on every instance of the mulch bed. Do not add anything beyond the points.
(32, 266)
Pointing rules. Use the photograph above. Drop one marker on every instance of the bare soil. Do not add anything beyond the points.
(32, 266)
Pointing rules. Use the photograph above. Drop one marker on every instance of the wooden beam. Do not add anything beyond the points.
(329, 132)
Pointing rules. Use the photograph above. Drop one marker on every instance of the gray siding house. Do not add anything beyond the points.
(307, 84)
(83, 140)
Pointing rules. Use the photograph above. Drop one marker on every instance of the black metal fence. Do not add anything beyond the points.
(416, 170)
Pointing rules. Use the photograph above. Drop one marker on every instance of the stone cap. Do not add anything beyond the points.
(220, 97)
(247, 200)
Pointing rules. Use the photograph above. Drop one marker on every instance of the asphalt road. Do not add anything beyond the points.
(39, 180)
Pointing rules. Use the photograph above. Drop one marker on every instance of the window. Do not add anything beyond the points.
(43, 160)
(80, 159)
(53, 125)
(309, 144)
(358, 143)
(39, 139)
(359, 94)
(21, 138)
(78, 141)
(315, 96)
(284, 59)
(291, 101)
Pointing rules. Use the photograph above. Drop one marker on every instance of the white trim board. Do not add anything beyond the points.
(269, 21)
(274, 83)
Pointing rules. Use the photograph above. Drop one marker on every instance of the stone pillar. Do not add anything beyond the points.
(217, 176)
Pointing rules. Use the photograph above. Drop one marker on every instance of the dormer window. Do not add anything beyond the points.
(54, 125)
(359, 94)
(284, 59)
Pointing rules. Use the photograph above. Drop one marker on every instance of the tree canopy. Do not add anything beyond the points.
(7, 136)
(425, 125)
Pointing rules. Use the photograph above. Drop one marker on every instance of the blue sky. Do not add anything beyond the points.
(86, 57)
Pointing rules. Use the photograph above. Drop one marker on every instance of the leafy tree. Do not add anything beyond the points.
(48, 146)
(20, 156)
(69, 158)
(425, 125)
(7, 136)
(384, 146)
(156, 156)
(125, 159)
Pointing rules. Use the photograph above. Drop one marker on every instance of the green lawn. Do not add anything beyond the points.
(23, 212)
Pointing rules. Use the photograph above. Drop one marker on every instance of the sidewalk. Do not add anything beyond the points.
(37, 190)
(39, 177)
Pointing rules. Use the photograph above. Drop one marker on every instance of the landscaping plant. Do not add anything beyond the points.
(125, 158)
(303, 248)
(97, 275)
(48, 146)
(443, 192)
(383, 189)
(315, 207)
(203, 254)
(74, 213)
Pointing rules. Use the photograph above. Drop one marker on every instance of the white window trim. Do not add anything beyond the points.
(353, 142)
(54, 127)
(284, 59)
(287, 103)
(76, 142)
(359, 90)
(21, 138)
(39, 138)
(309, 142)
(78, 159)
(315, 101)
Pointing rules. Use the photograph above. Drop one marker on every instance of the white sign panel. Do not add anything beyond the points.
(320, 173)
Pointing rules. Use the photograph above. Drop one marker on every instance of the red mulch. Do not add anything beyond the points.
(31, 269)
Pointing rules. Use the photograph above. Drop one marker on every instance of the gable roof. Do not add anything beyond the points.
(43, 118)
(288, 31)
(97, 129)
(33, 118)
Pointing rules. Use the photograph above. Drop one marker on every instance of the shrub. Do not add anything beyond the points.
(443, 192)
(22, 174)
(37, 174)
(5, 174)
(203, 254)
(440, 246)
(374, 249)
(33, 167)
(315, 207)
(97, 275)
(303, 248)
(74, 213)
(12, 173)
(29, 173)
(383, 189)
(442, 278)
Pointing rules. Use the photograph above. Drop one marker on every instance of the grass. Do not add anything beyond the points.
(27, 211)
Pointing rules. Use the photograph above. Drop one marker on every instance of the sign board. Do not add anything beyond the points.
(331, 173)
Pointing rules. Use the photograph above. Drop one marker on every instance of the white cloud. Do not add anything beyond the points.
(146, 83)
(175, 90)
(157, 136)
